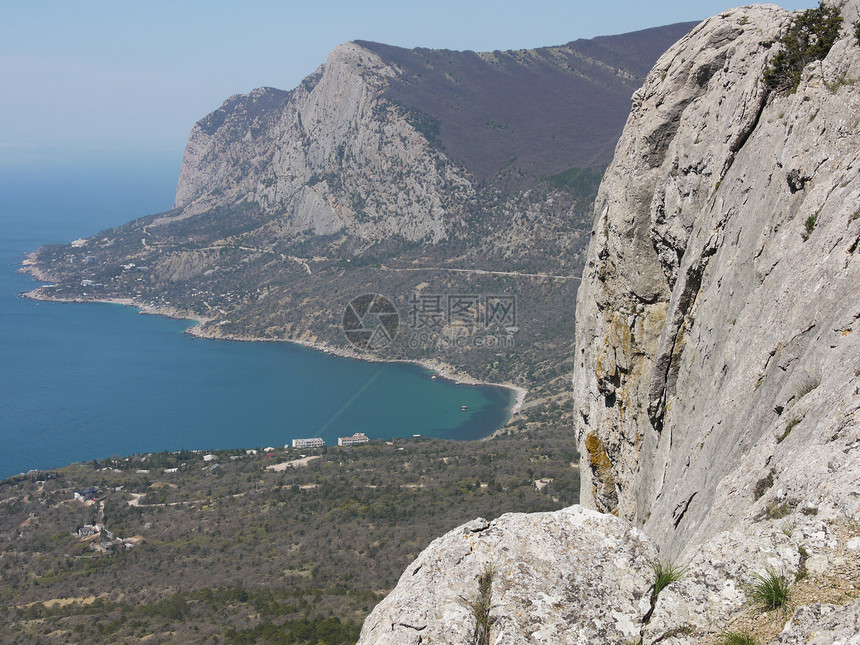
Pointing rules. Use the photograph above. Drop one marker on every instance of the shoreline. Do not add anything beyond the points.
(438, 367)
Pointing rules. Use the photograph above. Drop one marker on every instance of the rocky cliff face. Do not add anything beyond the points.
(324, 157)
(717, 375)
(717, 322)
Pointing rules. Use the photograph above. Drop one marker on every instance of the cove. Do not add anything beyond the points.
(88, 381)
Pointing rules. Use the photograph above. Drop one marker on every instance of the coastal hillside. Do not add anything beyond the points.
(249, 546)
(716, 374)
(391, 171)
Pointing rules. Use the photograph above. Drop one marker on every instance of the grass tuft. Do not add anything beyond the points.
(665, 573)
(788, 429)
(776, 511)
(771, 589)
(736, 638)
(763, 485)
(481, 606)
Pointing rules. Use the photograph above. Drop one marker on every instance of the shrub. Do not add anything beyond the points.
(771, 589)
(857, 32)
(809, 224)
(736, 638)
(776, 511)
(801, 568)
(809, 38)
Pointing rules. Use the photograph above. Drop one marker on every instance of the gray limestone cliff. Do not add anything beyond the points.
(324, 158)
(717, 376)
(718, 324)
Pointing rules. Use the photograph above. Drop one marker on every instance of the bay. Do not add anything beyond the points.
(88, 381)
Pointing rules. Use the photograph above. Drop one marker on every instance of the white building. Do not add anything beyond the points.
(354, 440)
(316, 442)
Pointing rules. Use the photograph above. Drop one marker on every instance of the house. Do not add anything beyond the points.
(542, 483)
(209, 457)
(87, 494)
(88, 530)
(171, 470)
(355, 440)
(315, 442)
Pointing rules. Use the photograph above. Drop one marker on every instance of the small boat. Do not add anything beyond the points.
(464, 408)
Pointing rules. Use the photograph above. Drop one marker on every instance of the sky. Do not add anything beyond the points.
(118, 78)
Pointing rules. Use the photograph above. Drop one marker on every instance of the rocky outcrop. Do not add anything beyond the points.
(573, 576)
(823, 624)
(717, 376)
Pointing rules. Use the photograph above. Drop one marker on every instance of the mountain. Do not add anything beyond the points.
(390, 171)
(717, 358)
(375, 115)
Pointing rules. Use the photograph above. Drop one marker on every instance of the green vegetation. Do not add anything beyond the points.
(770, 589)
(736, 638)
(857, 32)
(315, 631)
(430, 127)
(788, 429)
(776, 510)
(801, 568)
(809, 38)
(582, 182)
(809, 224)
(481, 605)
(763, 485)
(665, 573)
(244, 553)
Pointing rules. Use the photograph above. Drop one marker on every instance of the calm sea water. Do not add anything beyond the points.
(87, 381)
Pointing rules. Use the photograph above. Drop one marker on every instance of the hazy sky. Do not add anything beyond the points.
(133, 77)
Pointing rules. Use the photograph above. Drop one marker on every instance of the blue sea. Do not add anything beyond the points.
(89, 381)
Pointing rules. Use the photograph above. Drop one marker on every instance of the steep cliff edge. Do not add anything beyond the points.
(717, 371)
(718, 319)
